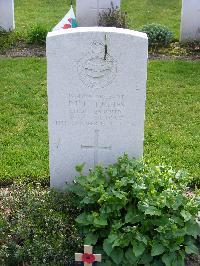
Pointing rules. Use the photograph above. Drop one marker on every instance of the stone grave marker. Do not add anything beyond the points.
(87, 11)
(96, 97)
(7, 21)
(190, 20)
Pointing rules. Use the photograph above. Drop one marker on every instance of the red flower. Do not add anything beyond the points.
(88, 258)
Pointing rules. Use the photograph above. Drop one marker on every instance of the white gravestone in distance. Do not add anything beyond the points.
(96, 97)
(87, 11)
(190, 21)
(7, 21)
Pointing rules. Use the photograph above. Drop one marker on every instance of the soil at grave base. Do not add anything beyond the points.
(159, 56)
(25, 50)
(193, 261)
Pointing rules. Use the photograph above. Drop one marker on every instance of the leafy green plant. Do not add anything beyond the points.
(37, 35)
(1, 29)
(140, 215)
(37, 226)
(158, 35)
(113, 17)
(8, 39)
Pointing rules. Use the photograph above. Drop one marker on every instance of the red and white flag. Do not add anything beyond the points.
(69, 21)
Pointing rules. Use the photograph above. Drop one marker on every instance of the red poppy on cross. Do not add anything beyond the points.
(87, 257)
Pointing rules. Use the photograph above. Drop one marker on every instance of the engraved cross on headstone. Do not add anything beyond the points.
(96, 146)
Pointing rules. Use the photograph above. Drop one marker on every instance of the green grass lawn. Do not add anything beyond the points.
(166, 12)
(171, 131)
(48, 13)
(24, 140)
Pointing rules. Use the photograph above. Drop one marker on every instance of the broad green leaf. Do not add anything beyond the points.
(112, 238)
(145, 259)
(186, 215)
(91, 239)
(180, 232)
(138, 248)
(100, 221)
(151, 210)
(168, 258)
(178, 219)
(192, 228)
(181, 174)
(107, 247)
(178, 202)
(191, 248)
(141, 238)
(117, 255)
(106, 263)
(130, 256)
(117, 242)
(147, 209)
(178, 261)
(157, 248)
(132, 217)
(84, 219)
(175, 245)
(116, 225)
(80, 167)
(125, 262)
(88, 200)
(160, 221)
(77, 189)
(156, 263)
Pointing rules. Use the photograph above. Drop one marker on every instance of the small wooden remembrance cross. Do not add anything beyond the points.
(87, 257)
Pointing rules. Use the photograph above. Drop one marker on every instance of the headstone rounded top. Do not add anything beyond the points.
(98, 29)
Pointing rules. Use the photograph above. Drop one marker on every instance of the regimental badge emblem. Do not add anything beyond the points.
(97, 69)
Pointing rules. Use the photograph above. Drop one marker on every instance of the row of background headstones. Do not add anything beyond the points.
(88, 10)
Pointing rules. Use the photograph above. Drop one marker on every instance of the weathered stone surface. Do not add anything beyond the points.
(190, 20)
(7, 21)
(96, 97)
(87, 11)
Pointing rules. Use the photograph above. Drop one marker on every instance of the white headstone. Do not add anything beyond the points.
(96, 97)
(87, 11)
(7, 21)
(190, 21)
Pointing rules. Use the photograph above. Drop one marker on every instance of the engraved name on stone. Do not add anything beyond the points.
(98, 109)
